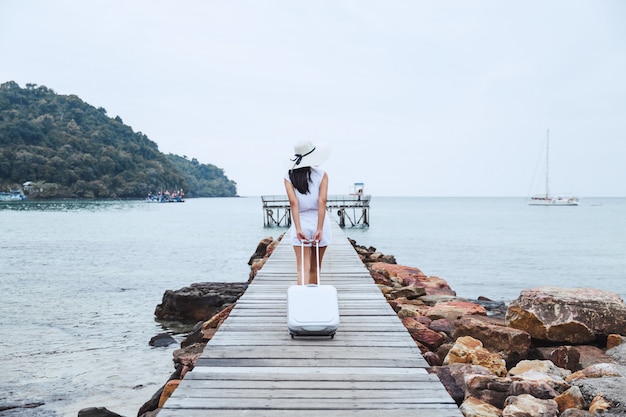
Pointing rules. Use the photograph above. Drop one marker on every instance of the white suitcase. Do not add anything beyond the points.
(312, 309)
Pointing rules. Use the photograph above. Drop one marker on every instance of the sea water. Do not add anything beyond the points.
(79, 281)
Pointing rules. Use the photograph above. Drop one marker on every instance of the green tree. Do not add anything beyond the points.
(73, 149)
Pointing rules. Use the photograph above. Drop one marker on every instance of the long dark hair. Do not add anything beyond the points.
(300, 179)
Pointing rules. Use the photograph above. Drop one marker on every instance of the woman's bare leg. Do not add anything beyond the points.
(307, 264)
(313, 277)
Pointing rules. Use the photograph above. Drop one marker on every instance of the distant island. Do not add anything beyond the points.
(58, 146)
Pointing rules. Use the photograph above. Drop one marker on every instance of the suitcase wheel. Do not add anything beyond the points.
(292, 335)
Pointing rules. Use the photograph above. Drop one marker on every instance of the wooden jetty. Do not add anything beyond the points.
(351, 210)
(253, 367)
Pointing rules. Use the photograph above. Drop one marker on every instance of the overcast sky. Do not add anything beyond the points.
(417, 98)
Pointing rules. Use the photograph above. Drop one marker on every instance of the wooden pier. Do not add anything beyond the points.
(253, 367)
(351, 210)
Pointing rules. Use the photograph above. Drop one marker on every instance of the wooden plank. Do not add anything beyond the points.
(319, 373)
(429, 410)
(252, 366)
(320, 404)
(418, 394)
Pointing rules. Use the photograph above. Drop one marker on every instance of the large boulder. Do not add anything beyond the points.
(199, 301)
(491, 389)
(512, 344)
(466, 349)
(453, 310)
(473, 407)
(422, 334)
(526, 405)
(412, 276)
(453, 377)
(567, 315)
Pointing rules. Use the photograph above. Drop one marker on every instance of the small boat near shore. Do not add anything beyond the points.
(12, 195)
(166, 197)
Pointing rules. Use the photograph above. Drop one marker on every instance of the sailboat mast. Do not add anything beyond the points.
(547, 162)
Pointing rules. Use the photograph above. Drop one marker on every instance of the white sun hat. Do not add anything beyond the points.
(307, 154)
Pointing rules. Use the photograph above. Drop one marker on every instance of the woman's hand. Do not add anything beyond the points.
(318, 235)
(301, 236)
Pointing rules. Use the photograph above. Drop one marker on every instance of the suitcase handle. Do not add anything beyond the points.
(317, 257)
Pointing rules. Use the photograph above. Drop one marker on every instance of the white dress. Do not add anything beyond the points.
(308, 211)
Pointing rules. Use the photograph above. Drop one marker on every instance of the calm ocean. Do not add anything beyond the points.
(79, 281)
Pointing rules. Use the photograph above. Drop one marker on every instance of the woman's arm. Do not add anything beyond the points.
(321, 207)
(295, 209)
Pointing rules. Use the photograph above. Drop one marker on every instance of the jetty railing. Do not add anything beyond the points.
(352, 210)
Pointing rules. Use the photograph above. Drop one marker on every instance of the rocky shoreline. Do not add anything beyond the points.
(551, 352)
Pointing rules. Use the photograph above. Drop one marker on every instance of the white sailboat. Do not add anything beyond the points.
(551, 200)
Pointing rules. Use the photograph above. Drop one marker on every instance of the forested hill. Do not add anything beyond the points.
(68, 148)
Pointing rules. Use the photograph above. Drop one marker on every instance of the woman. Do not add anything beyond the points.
(307, 189)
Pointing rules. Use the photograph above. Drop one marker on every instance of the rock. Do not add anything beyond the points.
(370, 255)
(261, 250)
(488, 388)
(545, 366)
(432, 358)
(572, 398)
(257, 265)
(168, 390)
(454, 310)
(598, 370)
(618, 354)
(13, 406)
(567, 315)
(410, 292)
(574, 412)
(599, 404)
(494, 308)
(565, 357)
(453, 377)
(538, 389)
(153, 402)
(412, 276)
(422, 334)
(153, 413)
(528, 406)
(195, 336)
(512, 344)
(96, 412)
(545, 384)
(444, 349)
(409, 310)
(614, 340)
(466, 349)
(213, 324)
(188, 355)
(162, 340)
(613, 389)
(591, 355)
(199, 301)
(434, 299)
(442, 326)
(473, 407)
(398, 303)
